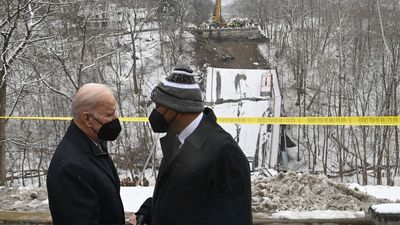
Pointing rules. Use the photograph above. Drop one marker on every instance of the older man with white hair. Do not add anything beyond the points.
(82, 182)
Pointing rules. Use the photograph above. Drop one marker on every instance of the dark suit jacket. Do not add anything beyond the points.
(206, 182)
(82, 183)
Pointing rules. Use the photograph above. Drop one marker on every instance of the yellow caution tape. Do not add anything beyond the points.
(125, 119)
(351, 120)
(365, 121)
(134, 119)
(35, 118)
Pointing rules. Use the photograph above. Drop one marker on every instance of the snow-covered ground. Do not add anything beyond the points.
(133, 197)
(318, 214)
(391, 193)
(303, 196)
(284, 196)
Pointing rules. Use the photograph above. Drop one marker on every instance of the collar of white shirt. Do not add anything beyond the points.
(190, 128)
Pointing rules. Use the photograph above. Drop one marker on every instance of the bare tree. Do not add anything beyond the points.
(20, 26)
(340, 58)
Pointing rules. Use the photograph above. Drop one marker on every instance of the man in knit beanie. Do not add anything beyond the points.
(179, 91)
(204, 177)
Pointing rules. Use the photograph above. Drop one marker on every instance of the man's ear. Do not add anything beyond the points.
(86, 117)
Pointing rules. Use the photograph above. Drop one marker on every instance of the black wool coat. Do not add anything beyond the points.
(82, 183)
(207, 182)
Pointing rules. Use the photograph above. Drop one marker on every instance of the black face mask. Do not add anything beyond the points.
(109, 131)
(158, 123)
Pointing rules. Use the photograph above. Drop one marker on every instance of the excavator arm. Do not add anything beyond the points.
(217, 16)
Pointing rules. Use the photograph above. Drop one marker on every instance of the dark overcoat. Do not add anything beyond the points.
(206, 182)
(82, 183)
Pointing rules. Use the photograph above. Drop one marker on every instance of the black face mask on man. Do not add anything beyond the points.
(109, 131)
(158, 123)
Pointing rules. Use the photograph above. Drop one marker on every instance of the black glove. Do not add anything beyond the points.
(143, 215)
(139, 220)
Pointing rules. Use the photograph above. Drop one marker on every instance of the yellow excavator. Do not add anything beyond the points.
(217, 16)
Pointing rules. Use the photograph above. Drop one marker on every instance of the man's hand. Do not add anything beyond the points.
(132, 219)
(139, 221)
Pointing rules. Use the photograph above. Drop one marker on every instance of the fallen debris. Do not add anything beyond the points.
(302, 192)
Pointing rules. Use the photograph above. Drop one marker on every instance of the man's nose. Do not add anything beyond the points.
(116, 115)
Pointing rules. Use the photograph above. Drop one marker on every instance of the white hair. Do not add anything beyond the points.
(87, 97)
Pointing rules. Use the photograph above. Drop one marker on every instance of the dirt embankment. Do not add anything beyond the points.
(235, 54)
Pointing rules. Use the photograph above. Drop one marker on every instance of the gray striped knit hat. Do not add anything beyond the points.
(179, 91)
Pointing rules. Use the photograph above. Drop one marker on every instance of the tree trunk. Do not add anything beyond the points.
(365, 162)
(2, 131)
